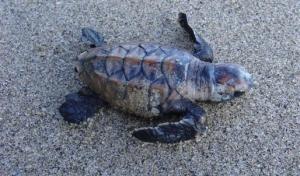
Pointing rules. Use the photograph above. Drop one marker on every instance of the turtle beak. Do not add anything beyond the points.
(237, 94)
(249, 81)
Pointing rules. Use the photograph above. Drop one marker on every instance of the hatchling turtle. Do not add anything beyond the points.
(151, 80)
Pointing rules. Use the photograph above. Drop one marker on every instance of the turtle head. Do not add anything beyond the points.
(229, 81)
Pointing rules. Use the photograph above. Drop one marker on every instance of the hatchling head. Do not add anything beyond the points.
(229, 81)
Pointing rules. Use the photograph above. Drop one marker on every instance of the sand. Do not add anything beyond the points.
(256, 134)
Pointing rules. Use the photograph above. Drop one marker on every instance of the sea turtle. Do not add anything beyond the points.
(151, 80)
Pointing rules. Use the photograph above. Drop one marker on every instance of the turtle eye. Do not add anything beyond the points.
(75, 69)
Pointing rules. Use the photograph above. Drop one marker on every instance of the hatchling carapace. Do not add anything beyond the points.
(152, 80)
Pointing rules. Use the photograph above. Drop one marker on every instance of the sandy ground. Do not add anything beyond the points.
(257, 134)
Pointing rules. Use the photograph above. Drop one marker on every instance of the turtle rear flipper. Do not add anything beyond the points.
(92, 38)
(171, 132)
(80, 106)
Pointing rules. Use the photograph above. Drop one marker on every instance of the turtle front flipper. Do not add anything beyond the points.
(202, 50)
(172, 132)
(81, 105)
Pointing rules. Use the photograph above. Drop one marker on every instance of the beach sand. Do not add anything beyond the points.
(256, 134)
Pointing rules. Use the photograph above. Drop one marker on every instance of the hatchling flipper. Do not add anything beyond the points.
(81, 105)
(92, 38)
(201, 49)
(172, 132)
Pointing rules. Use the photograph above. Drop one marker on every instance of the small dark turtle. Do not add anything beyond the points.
(153, 80)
